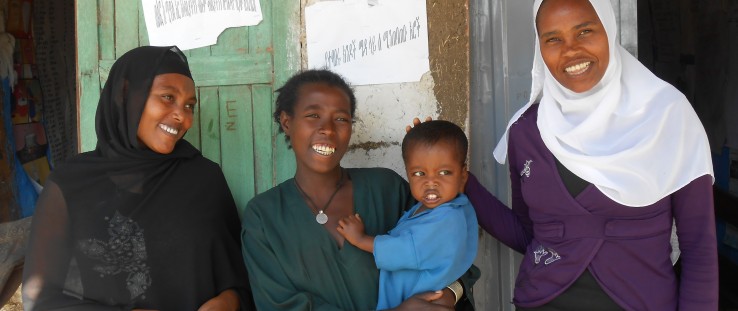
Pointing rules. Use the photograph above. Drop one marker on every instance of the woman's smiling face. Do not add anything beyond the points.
(573, 43)
(320, 127)
(168, 112)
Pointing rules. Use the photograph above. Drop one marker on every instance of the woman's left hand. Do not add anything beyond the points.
(416, 121)
(448, 299)
(424, 301)
(227, 301)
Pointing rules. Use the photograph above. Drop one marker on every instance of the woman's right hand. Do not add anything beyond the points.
(422, 301)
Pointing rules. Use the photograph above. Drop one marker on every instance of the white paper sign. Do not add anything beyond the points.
(369, 44)
(190, 24)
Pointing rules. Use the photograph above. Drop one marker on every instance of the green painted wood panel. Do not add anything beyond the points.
(263, 137)
(198, 52)
(235, 81)
(260, 36)
(210, 123)
(232, 41)
(232, 69)
(106, 33)
(126, 26)
(221, 70)
(87, 71)
(143, 35)
(237, 141)
(285, 53)
(193, 134)
(260, 41)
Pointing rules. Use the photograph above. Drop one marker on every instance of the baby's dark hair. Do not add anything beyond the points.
(431, 132)
(288, 93)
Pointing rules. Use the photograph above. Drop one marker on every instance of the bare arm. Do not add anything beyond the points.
(225, 301)
(424, 301)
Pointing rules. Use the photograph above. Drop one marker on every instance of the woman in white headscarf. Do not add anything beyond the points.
(604, 159)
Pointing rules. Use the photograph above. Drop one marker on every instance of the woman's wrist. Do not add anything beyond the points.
(457, 289)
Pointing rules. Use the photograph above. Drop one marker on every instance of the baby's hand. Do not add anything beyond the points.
(416, 121)
(351, 228)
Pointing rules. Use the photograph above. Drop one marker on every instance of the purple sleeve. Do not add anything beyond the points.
(498, 220)
(692, 208)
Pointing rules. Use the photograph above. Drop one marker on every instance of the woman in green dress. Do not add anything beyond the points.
(296, 258)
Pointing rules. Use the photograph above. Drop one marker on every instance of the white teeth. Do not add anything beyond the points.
(577, 68)
(168, 129)
(431, 196)
(324, 150)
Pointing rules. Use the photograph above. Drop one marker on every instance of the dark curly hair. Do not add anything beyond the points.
(431, 132)
(287, 97)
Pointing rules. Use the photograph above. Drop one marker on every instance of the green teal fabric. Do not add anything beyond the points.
(295, 264)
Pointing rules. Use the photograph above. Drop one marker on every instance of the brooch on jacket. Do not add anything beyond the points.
(526, 168)
(540, 252)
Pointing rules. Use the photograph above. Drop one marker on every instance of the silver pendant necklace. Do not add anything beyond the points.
(321, 217)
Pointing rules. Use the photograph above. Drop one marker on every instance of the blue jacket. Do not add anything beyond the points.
(425, 252)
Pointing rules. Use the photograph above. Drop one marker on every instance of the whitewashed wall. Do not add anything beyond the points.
(383, 111)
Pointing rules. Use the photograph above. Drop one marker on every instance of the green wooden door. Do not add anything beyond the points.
(235, 80)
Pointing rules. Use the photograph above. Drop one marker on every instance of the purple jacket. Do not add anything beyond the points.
(626, 249)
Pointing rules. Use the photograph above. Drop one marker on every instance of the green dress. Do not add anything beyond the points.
(295, 264)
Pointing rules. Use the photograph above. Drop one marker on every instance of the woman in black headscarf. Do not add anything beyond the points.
(144, 221)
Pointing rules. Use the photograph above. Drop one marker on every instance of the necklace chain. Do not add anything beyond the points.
(321, 217)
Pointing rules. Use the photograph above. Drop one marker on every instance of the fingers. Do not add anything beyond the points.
(429, 296)
(349, 220)
(417, 121)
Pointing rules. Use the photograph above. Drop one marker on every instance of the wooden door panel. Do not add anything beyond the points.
(237, 141)
(106, 21)
(220, 70)
(210, 123)
(88, 77)
(126, 26)
(232, 69)
(287, 58)
(232, 41)
(263, 137)
(193, 134)
(260, 36)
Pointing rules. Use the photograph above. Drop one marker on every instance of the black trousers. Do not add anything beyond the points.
(584, 295)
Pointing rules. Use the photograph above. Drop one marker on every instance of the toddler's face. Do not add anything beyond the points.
(435, 173)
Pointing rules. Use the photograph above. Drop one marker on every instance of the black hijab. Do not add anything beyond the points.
(147, 230)
(118, 154)
(124, 96)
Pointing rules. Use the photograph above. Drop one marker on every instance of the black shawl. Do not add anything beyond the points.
(124, 227)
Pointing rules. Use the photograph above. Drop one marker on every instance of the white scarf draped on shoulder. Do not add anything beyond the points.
(634, 136)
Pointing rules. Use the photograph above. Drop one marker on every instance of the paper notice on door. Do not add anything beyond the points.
(369, 42)
(190, 24)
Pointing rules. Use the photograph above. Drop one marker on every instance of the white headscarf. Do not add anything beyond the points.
(634, 136)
